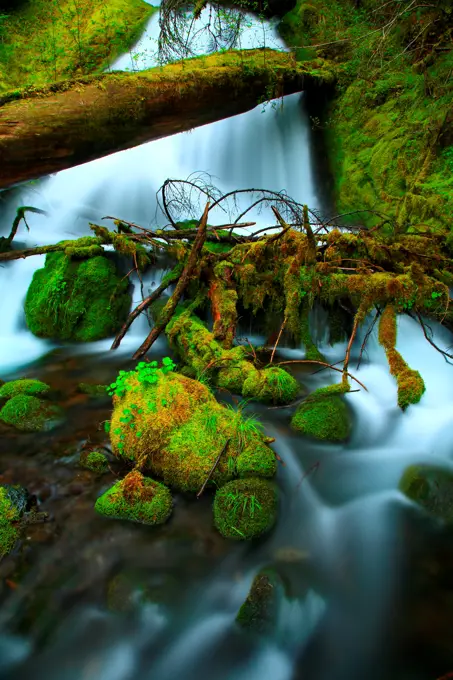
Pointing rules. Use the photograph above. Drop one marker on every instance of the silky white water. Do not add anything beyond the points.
(340, 504)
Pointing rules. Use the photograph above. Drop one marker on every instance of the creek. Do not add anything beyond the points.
(89, 598)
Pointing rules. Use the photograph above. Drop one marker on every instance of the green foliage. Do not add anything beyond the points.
(46, 40)
(246, 508)
(9, 522)
(81, 300)
(30, 414)
(137, 499)
(146, 372)
(32, 388)
(96, 461)
(431, 487)
(324, 415)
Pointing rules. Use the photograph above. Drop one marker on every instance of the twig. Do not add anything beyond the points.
(314, 467)
(367, 335)
(170, 307)
(142, 306)
(431, 342)
(278, 339)
(321, 363)
(212, 470)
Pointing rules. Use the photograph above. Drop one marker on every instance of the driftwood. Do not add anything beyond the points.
(212, 470)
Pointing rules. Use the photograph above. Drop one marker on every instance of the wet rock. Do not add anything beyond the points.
(431, 487)
(96, 461)
(259, 611)
(30, 414)
(92, 390)
(32, 388)
(323, 416)
(13, 503)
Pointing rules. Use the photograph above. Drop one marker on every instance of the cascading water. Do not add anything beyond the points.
(341, 511)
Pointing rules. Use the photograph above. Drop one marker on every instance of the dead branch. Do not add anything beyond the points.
(170, 307)
(367, 335)
(431, 342)
(212, 470)
(278, 339)
(28, 252)
(321, 363)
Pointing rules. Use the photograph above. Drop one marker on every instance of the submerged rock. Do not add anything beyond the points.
(77, 296)
(174, 426)
(96, 461)
(245, 508)
(92, 390)
(32, 388)
(323, 415)
(431, 487)
(13, 502)
(138, 499)
(30, 414)
(259, 611)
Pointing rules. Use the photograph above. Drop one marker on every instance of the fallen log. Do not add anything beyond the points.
(45, 130)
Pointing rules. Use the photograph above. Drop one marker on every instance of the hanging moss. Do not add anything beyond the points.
(79, 300)
(30, 414)
(410, 383)
(324, 415)
(259, 611)
(245, 508)
(137, 499)
(32, 388)
(431, 487)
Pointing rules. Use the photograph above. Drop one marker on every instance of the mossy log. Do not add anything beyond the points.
(71, 122)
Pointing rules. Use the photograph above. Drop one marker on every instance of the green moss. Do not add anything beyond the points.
(431, 487)
(323, 415)
(94, 461)
(80, 300)
(245, 509)
(46, 40)
(137, 499)
(92, 390)
(176, 428)
(26, 386)
(271, 385)
(257, 460)
(30, 414)
(9, 522)
(259, 611)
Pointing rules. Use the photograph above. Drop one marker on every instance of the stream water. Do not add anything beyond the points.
(368, 576)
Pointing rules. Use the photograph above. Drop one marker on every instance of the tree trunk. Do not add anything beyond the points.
(72, 122)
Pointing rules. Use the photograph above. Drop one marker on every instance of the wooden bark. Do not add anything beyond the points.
(72, 122)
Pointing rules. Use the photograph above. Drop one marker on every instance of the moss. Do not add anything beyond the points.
(245, 509)
(431, 487)
(94, 461)
(79, 300)
(410, 383)
(32, 388)
(257, 460)
(30, 414)
(46, 40)
(324, 415)
(92, 390)
(137, 499)
(176, 428)
(271, 385)
(9, 522)
(259, 611)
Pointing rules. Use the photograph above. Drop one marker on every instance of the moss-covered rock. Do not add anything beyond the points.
(138, 499)
(259, 611)
(32, 388)
(431, 487)
(323, 415)
(76, 299)
(96, 461)
(173, 426)
(30, 414)
(9, 520)
(272, 385)
(245, 508)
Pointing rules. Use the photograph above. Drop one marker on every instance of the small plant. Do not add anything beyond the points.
(146, 373)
